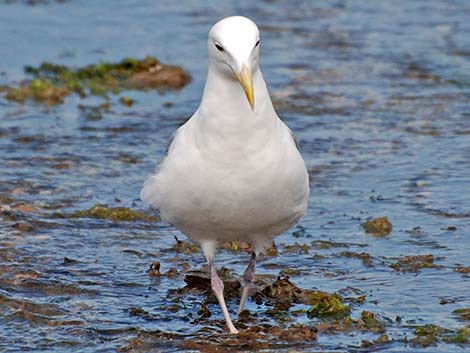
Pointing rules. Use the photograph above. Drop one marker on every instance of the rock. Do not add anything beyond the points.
(52, 83)
(378, 226)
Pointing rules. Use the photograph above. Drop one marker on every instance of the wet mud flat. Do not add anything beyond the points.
(378, 96)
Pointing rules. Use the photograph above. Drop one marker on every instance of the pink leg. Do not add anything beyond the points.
(218, 288)
(248, 277)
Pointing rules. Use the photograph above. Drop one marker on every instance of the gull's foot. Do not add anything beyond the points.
(233, 330)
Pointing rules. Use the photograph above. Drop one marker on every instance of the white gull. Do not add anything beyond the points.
(233, 171)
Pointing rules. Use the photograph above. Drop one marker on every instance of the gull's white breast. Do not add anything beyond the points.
(229, 189)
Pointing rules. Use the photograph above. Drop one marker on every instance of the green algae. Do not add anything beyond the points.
(270, 250)
(462, 314)
(430, 335)
(461, 337)
(38, 90)
(357, 300)
(289, 272)
(370, 322)
(128, 159)
(51, 83)
(323, 305)
(414, 263)
(254, 338)
(235, 246)
(368, 318)
(328, 244)
(364, 257)
(283, 293)
(282, 290)
(116, 214)
(427, 335)
(94, 112)
(185, 247)
(378, 226)
(280, 314)
(296, 249)
(127, 101)
(382, 339)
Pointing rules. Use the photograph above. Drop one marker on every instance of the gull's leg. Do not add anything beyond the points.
(248, 277)
(218, 288)
(217, 284)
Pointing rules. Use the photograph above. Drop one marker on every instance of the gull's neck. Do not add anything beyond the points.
(226, 127)
(224, 106)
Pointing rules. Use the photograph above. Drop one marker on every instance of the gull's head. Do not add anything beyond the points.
(234, 51)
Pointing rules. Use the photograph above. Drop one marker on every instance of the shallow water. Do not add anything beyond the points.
(378, 95)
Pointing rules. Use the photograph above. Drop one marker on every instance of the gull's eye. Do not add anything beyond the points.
(257, 43)
(218, 46)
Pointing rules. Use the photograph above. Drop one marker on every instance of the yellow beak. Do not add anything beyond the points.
(246, 81)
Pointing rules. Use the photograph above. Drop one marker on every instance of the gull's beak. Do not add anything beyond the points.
(246, 81)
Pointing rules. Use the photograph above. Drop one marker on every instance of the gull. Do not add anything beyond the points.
(233, 171)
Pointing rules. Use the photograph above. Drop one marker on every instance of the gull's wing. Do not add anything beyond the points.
(293, 138)
(170, 141)
(149, 193)
(290, 133)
